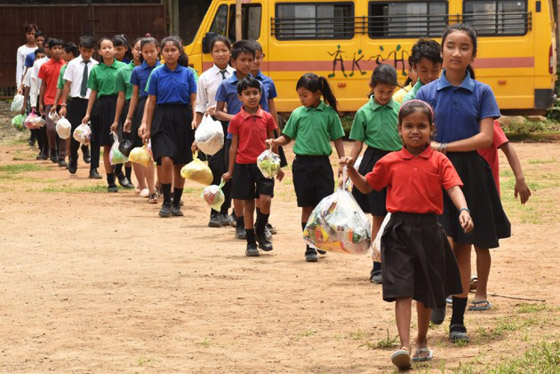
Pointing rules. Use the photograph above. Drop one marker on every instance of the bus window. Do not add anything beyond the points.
(497, 17)
(407, 20)
(219, 25)
(314, 21)
(250, 19)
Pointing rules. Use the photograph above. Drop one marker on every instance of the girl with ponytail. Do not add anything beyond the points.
(313, 126)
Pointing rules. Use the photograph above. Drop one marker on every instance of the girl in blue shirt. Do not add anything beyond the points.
(464, 113)
(170, 121)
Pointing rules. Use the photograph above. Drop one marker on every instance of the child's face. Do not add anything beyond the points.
(259, 57)
(243, 63)
(413, 75)
(136, 52)
(67, 56)
(39, 56)
(221, 54)
(56, 52)
(382, 93)
(150, 53)
(250, 97)
(427, 70)
(40, 40)
(47, 51)
(30, 36)
(170, 53)
(86, 53)
(458, 51)
(308, 99)
(120, 51)
(106, 49)
(415, 130)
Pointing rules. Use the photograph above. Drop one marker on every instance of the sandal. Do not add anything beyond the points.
(423, 355)
(480, 305)
(401, 359)
(458, 333)
(152, 199)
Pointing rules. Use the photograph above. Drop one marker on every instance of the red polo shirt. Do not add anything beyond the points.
(490, 154)
(252, 130)
(49, 74)
(414, 183)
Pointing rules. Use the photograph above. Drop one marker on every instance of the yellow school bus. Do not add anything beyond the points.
(344, 40)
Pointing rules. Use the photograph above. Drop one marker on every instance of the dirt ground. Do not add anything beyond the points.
(93, 282)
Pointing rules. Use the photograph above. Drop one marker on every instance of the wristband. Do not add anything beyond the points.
(467, 209)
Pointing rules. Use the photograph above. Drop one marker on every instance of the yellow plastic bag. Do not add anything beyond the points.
(197, 171)
(140, 155)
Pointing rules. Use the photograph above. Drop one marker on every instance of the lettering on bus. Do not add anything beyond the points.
(397, 57)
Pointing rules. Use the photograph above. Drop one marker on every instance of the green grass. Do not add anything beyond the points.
(80, 189)
(537, 161)
(384, 343)
(531, 308)
(19, 168)
(543, 358)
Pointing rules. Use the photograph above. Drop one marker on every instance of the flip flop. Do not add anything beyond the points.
(480, 305)
(422, 355)
(474, 283)
(401, 359)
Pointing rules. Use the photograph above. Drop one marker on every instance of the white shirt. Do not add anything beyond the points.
(22, 52)
(35, 81)
(75, 72)
(207, 86)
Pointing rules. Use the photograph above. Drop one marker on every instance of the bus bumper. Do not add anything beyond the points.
(544, 98)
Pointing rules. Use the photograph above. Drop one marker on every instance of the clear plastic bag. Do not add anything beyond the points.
(17, 103)
(209, 136)
(214, 196)
(337, 224)
(17, 122)
(268, 163)
(31, 120)
(82, 134)
(376, 245)
(140, 155)
(63, 128)
(115, 156)
(197, 171)
(53, 116)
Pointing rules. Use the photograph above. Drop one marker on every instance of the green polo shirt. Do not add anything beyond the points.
(313, 129)
(103, 78)
(411, 95)
(376, 125)
(123, 80)
(60, 83)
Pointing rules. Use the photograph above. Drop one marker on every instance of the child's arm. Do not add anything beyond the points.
(279, 141)
(194, 124)
(150, 108)
(339, 146)
(64, 99)
(356, 149)
(456, 195)
(25, 98)
(57, 99)
(131, 108)
(521, 187)
(479, 141)
(91, 101)
(220, 113)
(272, 111)
(357, 179)
(280, 174)
(118, 111)
(232, 154)
(41, 97)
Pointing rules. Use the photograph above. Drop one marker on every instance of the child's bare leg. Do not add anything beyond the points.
(149, 173)
(178, 180)
(403, 313)
(106, 161)
(238, 207)
(423, 324)
(305, 213)
(166, 174)
(463, 255)
(483, 265)
(139, 173)
(249, 208)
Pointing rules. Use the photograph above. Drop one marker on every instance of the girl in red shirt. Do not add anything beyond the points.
(418, 262)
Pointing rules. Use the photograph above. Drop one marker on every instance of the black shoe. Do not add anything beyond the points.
(438, 315)
(252, 250)
(72, 166)
(458, 334)
(85, 153)
(267, 233)
(40, 156)
(375, 277)
(31, 142)
(240, 233)
(232, 220)
(263, 242)
(215, 220)
(176, 211)
(112, 188)
(54, 157)
(321, 252)
(165, 210)
(310, 255)
(44, 156)
(227, 220)
(123, 181)
(271, 228)
(62, 163)
(93, 174)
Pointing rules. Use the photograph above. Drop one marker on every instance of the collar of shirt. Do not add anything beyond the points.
(260, 76)
(390, 105)
(321, 107)
(406, 155)
(246, 115)
(178, 69)
(145, 65)
(114, 65)
(228, 69)
(59, 61)
(467, 84)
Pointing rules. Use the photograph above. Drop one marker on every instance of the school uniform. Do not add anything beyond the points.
(34, 84)
(103, 80)
(252, 131)
(139, 77)
(490, 154)
(458, 112)
(77, 73)
(376, 126)
(313, 129)
(21, 54)
(49, 73)
(171, 131)
(400, 94)
(123, 85)
(417, 259)
(411, 95)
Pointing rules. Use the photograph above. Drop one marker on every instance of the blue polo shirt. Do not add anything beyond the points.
(172, 86)
(140, 76)
(459, 110)
(269, 84)
(29, 60)
(227, 92)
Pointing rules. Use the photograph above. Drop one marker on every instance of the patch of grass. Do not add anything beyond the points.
(145, 361)
(205, 343)
(537, 162)
(530, 308)
(19, 168)
(306, 333)
(80, 189)
(384, 343)
(541, 358)
(357, 335)
(465, 369)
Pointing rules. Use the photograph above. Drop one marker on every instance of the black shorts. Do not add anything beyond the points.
(313, 179)
(249, 183)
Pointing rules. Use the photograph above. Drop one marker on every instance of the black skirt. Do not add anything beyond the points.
(122, 118)
(102, 117)
(172, 134)
(137, 121)
(490, 220)
(374, 202)
(418, 261)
